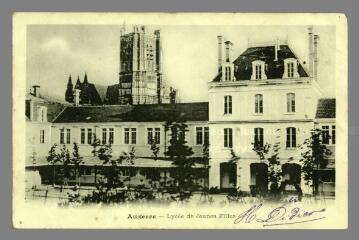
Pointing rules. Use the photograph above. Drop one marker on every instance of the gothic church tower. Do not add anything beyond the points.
(140, 67)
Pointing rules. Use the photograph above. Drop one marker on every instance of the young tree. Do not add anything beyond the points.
(76, 160)
(154, 148)
(53, 158)
(129, 157)
(314, 157)
(180, 154)
(64, 159)
(104, 153)
(270, 153)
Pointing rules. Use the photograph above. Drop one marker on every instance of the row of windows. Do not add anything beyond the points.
(130, 135)
(258, 103)
(291, 137)
(202, 136)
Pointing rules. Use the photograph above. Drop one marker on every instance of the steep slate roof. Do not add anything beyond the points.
(273, 70)
(325, 108)
(135, 113)
(53, 106)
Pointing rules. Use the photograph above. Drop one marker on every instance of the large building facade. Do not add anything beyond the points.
(265, 95)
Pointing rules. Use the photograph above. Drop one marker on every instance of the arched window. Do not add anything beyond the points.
(258, 72)
(290, 68)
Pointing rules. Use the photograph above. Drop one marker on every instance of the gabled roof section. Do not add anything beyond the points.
(135, 113)
(53, 106)
(326, 108)
(274, 69)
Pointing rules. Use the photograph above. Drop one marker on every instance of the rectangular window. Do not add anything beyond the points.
(290, 102)
(133, 136)
(258, 137)
(68, 136)
(149, 135)
(291, 141)
(82, 137)
(206, 135)
(333, 134)
(104, 135)
(42, 136)
(127, 136)
(199, 135)
(290, 67)
(89, 136)
(62, 136)
(111, 135)
(227, 104)
(228, 137)
(228, 73)
(325, 134)
(258, 106)
(258, 72)
(157, 135)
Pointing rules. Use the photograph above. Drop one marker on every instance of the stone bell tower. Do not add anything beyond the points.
(140, 67)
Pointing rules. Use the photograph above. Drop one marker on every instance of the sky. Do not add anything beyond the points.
(189, 54)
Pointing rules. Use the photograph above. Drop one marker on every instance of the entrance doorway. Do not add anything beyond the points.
(228, 174)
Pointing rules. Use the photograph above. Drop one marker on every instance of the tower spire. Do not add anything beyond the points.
(69, 91)
(85, 78)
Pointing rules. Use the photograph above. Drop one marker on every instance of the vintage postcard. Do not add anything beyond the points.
(180, 121)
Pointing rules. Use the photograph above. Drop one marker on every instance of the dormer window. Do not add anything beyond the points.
(290, 68)
(258, 70)
(42, 114)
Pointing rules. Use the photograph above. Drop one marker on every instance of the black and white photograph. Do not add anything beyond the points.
(180, 120)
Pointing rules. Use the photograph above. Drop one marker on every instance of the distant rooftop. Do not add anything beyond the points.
(326, 108)
(135, 113)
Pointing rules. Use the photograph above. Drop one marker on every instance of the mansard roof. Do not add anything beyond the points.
(135, 113)
(273, 69)
(326, 108)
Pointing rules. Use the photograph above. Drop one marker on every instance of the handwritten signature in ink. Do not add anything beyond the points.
(281, 215)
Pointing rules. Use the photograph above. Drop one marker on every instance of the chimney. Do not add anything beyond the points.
(77, 97)
(315, 53)
(276, 49)
(220, 51)
(310, 51)
(229, 45)
(35, 92)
